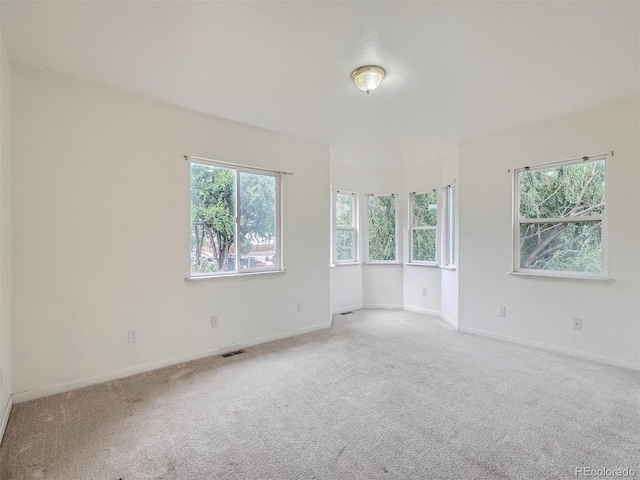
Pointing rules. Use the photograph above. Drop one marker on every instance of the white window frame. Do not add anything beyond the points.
(354, 228)
(412, 228)
(517, 221)
(449, 243)
(279, 264)
(396, 231)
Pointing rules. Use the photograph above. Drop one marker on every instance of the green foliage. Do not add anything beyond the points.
(424, 207)
(212, 214)
(424, 245)
(258, 209)
(568, 191)
(345, 243)
(344, 210)
(382, 228)
(213, 198)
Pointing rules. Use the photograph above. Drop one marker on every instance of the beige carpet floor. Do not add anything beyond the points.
(381, 395)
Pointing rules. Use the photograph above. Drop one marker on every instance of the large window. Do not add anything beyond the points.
(382, 228)
(235, 220)
(560, 218)
(346, 234)
(423, 216)
(449, 251)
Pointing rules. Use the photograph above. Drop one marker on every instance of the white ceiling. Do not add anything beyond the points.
(457, 70)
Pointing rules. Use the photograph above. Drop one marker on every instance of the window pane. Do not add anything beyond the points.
(344, 210)
(213, 199)
(424, 245)
(425, 209)
(565, 191)
(382, 228)
(567, 247)
(345, 243)
(257, 221)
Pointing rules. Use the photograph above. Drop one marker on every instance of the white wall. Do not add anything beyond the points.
(101, 221)
(5, 234)
(540, 310)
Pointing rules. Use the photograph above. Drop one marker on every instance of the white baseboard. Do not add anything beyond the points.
(375, 306)
(428, 311)
(553, 348)
(5, 418)
(450, 321)
(348, 308)
(127, 372)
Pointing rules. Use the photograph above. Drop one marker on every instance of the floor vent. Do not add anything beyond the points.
(231, 354)
(346, 313)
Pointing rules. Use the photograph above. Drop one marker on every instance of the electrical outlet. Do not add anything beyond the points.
(502, 312)
(577, 324)
(132, 336)
(424, 292)
(214, 321)
(299, 307)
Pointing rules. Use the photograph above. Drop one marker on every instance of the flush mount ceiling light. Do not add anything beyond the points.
(368, 78)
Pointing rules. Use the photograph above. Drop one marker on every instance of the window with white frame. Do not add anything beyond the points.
(560, 219)
(235, 219)
(346, 232)
(382, 214)
(423, 215)
(450, 226)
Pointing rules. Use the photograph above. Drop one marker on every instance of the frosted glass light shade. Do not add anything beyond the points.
(368, 78)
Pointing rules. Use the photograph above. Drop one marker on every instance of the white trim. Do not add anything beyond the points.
(449, 231)
(423, 264)
(450, 321)
(448, 267)
(560, 276)
(550, 347)
(390, 262)
(380, 306)
(345, 264)
(5, 418)
(427, 311)
(249, 273)
(223, 164)
(154, 365)
(348, 308)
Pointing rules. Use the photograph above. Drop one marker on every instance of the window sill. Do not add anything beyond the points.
(417, 264)
(345, 264)
(448, 267)
(562, 277)
(383, 263)
(232, 275)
